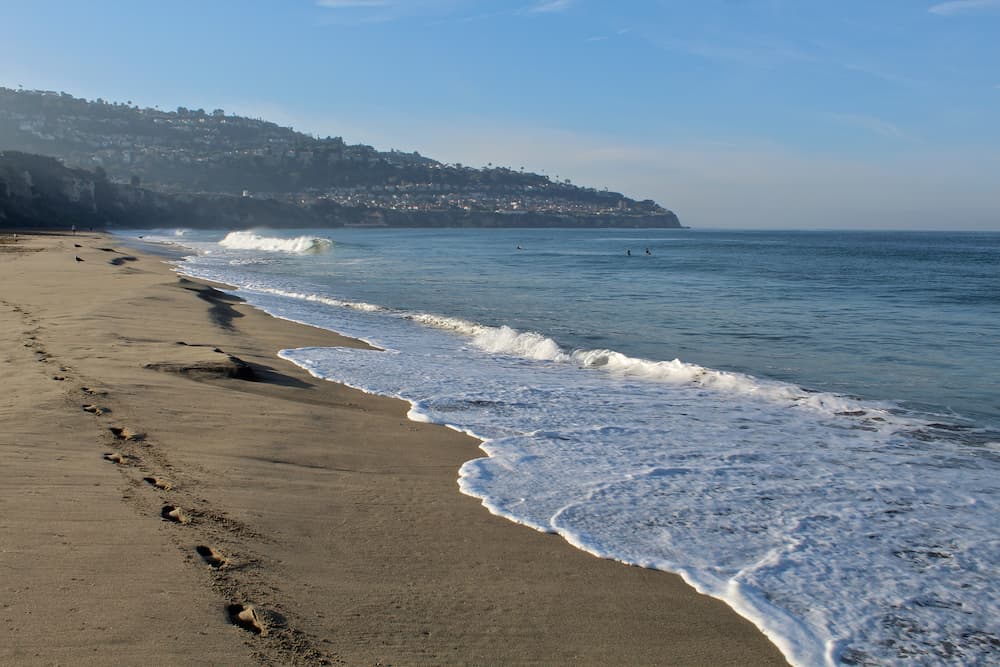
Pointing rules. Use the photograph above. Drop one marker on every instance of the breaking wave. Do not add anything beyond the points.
(317, 298)
(507, 341)
(300, 245)
(530, 345)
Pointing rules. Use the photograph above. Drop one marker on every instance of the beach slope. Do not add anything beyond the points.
(171, 492)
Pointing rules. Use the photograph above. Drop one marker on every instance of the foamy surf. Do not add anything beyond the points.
(850, 531)
(532, 345)
(505, 340)
(247, 240)
(758, 493)
(317, 298)
(751, 500)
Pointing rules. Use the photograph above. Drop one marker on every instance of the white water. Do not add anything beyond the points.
(531, 345)
(252, 241)
(847, 530)
(816, 516)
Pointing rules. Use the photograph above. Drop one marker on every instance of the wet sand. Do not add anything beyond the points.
(171, 492)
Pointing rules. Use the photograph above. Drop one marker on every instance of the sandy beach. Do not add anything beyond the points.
(173, 493)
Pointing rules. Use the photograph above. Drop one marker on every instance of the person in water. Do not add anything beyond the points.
(647, 251)
(628, 252)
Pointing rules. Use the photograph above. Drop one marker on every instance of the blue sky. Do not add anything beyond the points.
(734, 113)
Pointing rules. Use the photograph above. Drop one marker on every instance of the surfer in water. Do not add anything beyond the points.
(628, 252)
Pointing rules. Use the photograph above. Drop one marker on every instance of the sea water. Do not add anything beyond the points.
(805, 425)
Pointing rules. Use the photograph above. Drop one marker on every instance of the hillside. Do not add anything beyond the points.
(198, 153)
(39, 192)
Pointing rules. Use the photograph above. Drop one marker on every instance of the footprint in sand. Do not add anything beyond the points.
(58, 378)
(94, 410)
(116, 458)
(245, 616)
(174, 514)
(125, 433)
(212, 557)
(160, 484)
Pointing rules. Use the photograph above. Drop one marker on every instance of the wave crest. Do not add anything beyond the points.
(300, 245)
(505, 340)
(498, 340)
(532, 345)
(317, 298)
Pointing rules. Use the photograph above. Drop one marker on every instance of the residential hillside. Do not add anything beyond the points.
(193, 152)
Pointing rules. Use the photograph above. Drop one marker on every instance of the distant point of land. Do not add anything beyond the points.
(145, 167)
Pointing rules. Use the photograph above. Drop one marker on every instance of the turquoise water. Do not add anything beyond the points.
(803, 424)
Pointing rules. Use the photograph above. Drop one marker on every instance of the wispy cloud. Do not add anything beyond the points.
(869, 123)
(745, 50)
(550, 6)
(877, 71)
(961, 6)
(358, 12)
(351, 12)
(362, 12)
(348, 4)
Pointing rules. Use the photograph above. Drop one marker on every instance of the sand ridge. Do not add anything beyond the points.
(294, 521)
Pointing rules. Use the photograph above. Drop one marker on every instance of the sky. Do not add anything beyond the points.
(876, 114)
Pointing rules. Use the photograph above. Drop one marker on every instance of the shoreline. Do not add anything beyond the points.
(309, 523)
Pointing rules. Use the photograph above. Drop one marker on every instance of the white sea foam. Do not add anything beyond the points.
(316, 298)
(831, 537)
(532, 345)
(847, 531)
(247, 240)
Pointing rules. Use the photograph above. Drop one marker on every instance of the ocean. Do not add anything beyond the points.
(804, 424)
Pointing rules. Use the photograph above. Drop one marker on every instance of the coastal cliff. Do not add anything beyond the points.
(197, 169)
(38, 192)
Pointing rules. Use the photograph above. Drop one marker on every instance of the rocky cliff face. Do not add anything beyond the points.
(37, 191)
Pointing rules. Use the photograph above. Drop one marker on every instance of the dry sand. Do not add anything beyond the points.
(157, 507)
